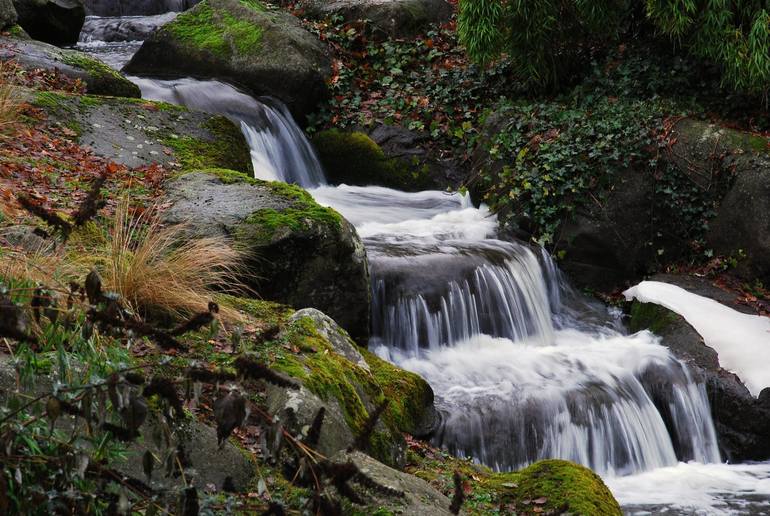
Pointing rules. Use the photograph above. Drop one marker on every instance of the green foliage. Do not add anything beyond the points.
(734, 35)
(424, 84)
(543, 37)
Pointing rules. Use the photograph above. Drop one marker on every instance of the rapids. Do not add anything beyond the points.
(523, 367)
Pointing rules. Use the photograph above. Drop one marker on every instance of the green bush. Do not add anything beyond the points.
(543, 37)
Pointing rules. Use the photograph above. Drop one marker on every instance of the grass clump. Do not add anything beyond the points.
(10, 101)
(157, 269)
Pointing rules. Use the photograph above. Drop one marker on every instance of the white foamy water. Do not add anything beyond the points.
(742, 341)
(279, 149)
(696, 489)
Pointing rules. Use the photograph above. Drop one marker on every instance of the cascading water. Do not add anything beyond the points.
(279, 149)
(523, 367)
(473, 315)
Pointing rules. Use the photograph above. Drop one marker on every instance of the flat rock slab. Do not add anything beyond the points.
(138, 132)
(99, 78)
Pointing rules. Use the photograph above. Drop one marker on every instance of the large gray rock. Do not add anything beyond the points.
(8, 14)
(742, 421)
(136, 7)
(137, 133)
(298, 252)
(99, 78)
(54, 21)
(391, 18)
(264, 51)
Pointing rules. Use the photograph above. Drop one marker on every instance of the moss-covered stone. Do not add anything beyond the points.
(102, 80)
(217, 31)
(355, 159)
(263, 50)
(224, 151)
(546, 487)
(17, 32)
(649, 316)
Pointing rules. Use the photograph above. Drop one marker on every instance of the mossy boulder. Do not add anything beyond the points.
(138, 132)
(353, 158)
(296, 251)
(54, 21)
(8, 15)
(742, 422)
(545, 487)
(394, 18)
(244, 42)
(349, 384)
(555, 486)
(99, 78)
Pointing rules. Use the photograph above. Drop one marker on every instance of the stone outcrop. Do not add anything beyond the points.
(297, 252)
(99, 78)
(54, 21)
(264, 51)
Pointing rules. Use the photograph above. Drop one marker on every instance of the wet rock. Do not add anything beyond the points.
(136, 7)
(8, 14)
(742, 421)
(137, 133)
(298, 252)
(389, 18)
(99, 78)
(53, 21)
(124, 29)
(267, 52)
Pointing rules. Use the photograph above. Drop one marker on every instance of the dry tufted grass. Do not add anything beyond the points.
(10, 100)
(157, 269)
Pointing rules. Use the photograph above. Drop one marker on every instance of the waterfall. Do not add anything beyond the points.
(523, 367)
(279, 149)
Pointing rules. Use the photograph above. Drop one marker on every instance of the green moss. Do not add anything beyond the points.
(226, 149)
(354, 158)
(268, 311)
(409, 393)
(301, 214)
(103, 79)
(17, 32)
(565, 486)
(649, 316)
(217, 31)
(229, 177)
(51, 100)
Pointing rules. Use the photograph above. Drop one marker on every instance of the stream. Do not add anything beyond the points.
(523, 367)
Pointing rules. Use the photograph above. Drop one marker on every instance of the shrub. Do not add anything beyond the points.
(542, 37)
